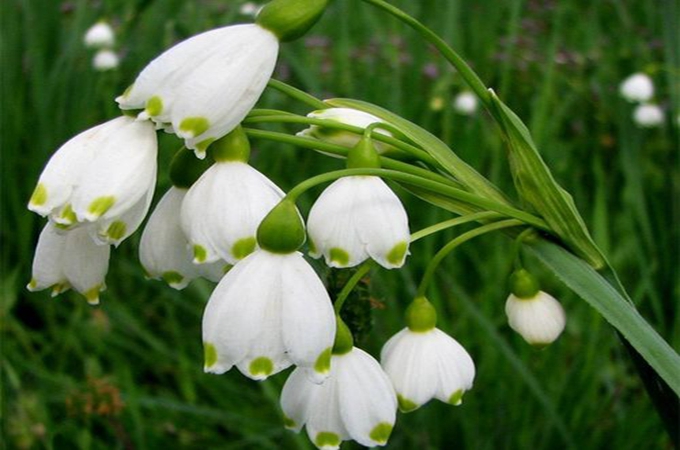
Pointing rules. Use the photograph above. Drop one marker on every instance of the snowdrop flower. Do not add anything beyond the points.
(65, 259)
(465, 103)
(105, 60)
(648, 115)
(99, 35)
(250, 9)
(637, 88)
(423, 362)
(164, 250)
(104, 176)
(534, 314)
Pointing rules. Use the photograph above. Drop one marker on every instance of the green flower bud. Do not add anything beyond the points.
(523, 284)
(344, 342)
(290, 19)
(232, 147)
(185, 168)
(363, 155)
(282, 230)
(421, 315)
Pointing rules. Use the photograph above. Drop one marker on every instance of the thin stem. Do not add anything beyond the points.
(297, 94)
(474, 217)
(448, 248)
(347, 288)
(517, 247)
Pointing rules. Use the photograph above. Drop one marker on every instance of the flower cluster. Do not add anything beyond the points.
(101, 37)
(639, 88)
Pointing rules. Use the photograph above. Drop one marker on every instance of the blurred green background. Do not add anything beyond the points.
(128, 374)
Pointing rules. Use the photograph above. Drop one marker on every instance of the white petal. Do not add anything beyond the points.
(455, 369)
(296, 397)
(539, 320)
(85, 263)
(325, 426)
(47, 266)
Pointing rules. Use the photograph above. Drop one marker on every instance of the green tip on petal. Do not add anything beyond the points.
(200, 254)
(327, 438)
(92, 295)
(194, 126)
(323, 362)
(32, 284)
(202, 146)
(116, 230)
(381, 432)
(39, 196)
(339, 256)
(59, 288)
(523, 284)
(209, 355)
(406, 405)
(397, 254)
(421, 315)
(456, 398)
(127, 91)
(172, 277)
(154, 106)
(261, 366)
(67, 215)
(100, 205)
(289, 423)
(243, 247)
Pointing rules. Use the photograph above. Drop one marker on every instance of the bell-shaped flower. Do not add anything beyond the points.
(539, 319)
(65, 259)
(99, 35)
(355, 218)
(105, 59)
(465, 103)
(269, 311)
(222, 210)
(648, 115)
(356, 402)
(100, 176)
(164, 250)
(203, 87)
(637, 88)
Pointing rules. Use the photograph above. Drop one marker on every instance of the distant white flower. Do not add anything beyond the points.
(102, 175)
(100, 35)
(105, 60)
(222, 210)
(356, 218)
(648, 115)
(637, 88)
(69, 259)
(250, 9)
(427, 364)
(203, 87)
(164, 250)
(465, 103)
(539, 319)
(268, 312)
(357, 402)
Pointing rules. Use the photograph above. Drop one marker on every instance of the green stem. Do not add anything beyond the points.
(474, 217)
(448, 248)
(347, 289)
(297, 94)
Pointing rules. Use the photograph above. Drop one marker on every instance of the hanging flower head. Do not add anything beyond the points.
(100, 35)
(637, 88)
(648, 115)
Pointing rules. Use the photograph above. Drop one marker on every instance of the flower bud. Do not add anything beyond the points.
(282, 230)
(290, 19)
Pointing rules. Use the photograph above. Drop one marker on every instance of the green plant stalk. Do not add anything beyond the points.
(474, 217)
(297, 94)
(347, 288)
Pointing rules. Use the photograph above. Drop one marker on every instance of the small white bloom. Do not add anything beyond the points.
(637, 88)
(426, 365)
(69, 259)
(465, 103)
(100, 35)
(648, 115)
(356, 218)
(105, 60)
(164, 250)
(223, 208)
(357, 402)
(100, 176)
(250, 9)
(268, 312)
(539, 319)
(204, 86)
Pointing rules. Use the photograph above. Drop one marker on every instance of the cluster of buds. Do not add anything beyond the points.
(102, 38)
(639, 89)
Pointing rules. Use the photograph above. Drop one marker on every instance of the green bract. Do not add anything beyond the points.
(282, 230)
(523, 284)
(290, 19)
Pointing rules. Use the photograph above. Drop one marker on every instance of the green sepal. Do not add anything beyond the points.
(282, 230)
(523, 284)
(421, 315)
(363, 155)
(235, 146)
(290, 19)
(344, 342)
(185, 168)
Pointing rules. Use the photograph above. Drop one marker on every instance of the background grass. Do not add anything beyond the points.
(128, 374)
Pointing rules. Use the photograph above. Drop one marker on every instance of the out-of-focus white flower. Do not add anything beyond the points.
(105, 60)
(637, 88)
(427, 364)
(648, 115)
(357, 402)
(203, 87)
(250, 9)
(222, 210)
(268, 312)
(465, 103)
(100, 35)
(103, 175)
(539, 319)
(356, 218)
(65, 259)
(164, 250)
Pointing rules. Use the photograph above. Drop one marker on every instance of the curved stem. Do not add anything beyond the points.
(347, 288)
(448, 248)
(297, 94)
(474, 217)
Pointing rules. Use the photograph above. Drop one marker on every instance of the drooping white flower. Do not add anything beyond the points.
(465, 103)
(539, 319)
(356, 218)
(164, 250)
(222, 210)
(65, 259)
(648, 115)
(356, 402)
(100, 176)
(637, 88)
(204, 86)
(105, 59)
(427, 364)
(268, 312)
(100, 35)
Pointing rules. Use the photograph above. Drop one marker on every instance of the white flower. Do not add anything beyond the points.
(99, 35)
(203, 87)
(65, 259)
(357, 402)
(101, 176)
(648, 115)
(222, 210)
(427, 364)
(356, 218)
(164, 250)
(268, 312)
(637, 88)
(465, 103)
(105, 60)
(539, 319)
(250, 9)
